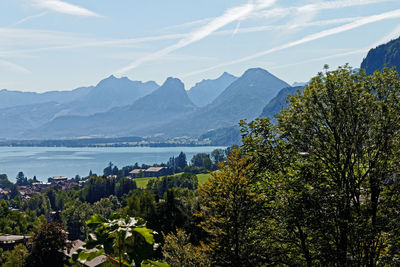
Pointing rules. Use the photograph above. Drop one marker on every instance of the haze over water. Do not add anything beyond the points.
(45, 162)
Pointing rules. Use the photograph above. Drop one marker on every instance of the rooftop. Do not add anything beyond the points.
(136, 171)
(154, 169)
(12, 238)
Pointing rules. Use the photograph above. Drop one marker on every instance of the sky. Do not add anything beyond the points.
(65, 44)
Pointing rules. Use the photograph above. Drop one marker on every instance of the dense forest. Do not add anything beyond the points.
(319, 187)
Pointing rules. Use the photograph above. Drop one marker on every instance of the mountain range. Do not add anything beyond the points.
(118, 107)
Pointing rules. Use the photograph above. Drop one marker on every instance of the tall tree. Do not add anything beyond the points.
(229, 210)
(48, 242)
(347, 126)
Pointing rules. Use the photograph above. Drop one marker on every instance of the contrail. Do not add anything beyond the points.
(14, 67)
(29, 18)
(230, 15)
(65, 8)
(312, 37)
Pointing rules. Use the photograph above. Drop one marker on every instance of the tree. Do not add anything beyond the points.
(346, 127)
(178, 251)
(15, 257)
(108, 170)
(49, 240)
(198, 159)
(180, 161)
(229, 211)
(124, 186)
(21, 179)
(218, 155)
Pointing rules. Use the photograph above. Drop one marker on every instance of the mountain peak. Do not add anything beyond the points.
(111, 80)
(256, 71)
(173, 82)
(226, 75)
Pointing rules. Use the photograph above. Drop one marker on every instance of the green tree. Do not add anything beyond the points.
(21, 179)
(198, 159)
(218, 155)
(14, 258)
(180, 161)
(178, 251)
(230, 209)
(47, 243)
(349, 124)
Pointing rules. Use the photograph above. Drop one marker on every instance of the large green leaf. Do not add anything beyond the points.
(95, 220)
(146, 233)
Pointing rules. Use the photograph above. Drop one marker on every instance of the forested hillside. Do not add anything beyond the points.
(385, 55)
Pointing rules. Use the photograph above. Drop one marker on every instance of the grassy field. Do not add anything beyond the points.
(203, 177)
(142, 182)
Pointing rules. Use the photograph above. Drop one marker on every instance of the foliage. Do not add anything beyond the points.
(48, 241)
(229, 212)
(125, 239)
(385, 55)
(4, 182)
(349, 124)
(178, 251)
(38, 203)
(160, 185)
(218, 155)
(21, 179)
(17, 222)
(15, 257)
(124, 186)
(77, 213)
(179, 163)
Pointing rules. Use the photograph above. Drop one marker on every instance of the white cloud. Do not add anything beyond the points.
(308, 38)
(281, 12)
(64, 7)
(230, 15)
(13, 67)
(355, 52)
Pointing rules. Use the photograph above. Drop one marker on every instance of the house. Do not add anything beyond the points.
(25, 192)
(39, 186)
(77, 244)
(4, 193)
(57, 179)
(136, 173)
(8, 242)
(156, 171)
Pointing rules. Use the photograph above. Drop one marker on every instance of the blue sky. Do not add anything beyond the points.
(63, 44)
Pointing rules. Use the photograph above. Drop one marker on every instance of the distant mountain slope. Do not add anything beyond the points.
(243, 99)
(385, 55)
(223, 136)
(279, 102)
(17, 98)
(231, 135)
(15, 121)
(108, 93)
(165, 104)
(206, 91)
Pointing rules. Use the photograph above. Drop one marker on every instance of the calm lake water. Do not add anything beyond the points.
(45, 162)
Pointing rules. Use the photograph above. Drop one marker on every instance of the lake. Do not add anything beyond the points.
(45, 162)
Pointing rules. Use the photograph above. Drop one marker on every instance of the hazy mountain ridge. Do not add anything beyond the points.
(18, 98)
(279, 102)
(165, 103)
(243, 99)
(206, 91)
(109, 93)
